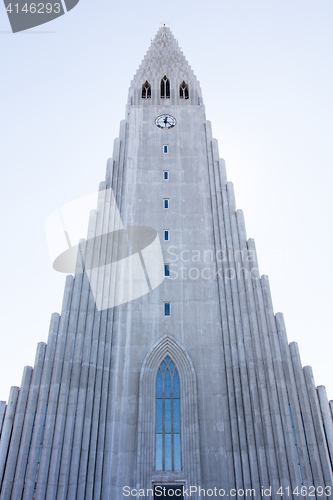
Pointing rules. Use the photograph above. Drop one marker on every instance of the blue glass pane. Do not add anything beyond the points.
(167, 359)
(176, 452)
(176, 415)
(159, 415)
(171, 366)
(159, 385)
(166, 175)
(159, 463)
(167, 385)
(166, 235)
(166, 270)
(165, 149)
(175, 385)
(167, 309)
(166, 203)
(163, 366)
(168, 452)
(167, 409)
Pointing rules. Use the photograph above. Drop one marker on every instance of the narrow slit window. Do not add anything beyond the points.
(167, 428)
(165, 88)
(166, 175)
(166, 270)
(166, 234)
(183, 90)
(167, 308)
(165, 148)
(166, 203)
(146, 90)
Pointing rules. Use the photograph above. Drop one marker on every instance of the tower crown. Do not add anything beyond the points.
(164, 75)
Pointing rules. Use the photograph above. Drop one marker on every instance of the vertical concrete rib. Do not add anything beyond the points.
(62, 407)
(277, 445)
(78, 386)
(268, 436)
(331, 406)
(52, 404)
(16, 434)
(327, 419)
(294, 402)
(92, 399)
(318, 427)
(90, 470)
(7, 429)
(83, 389)
(247, 308)
(3, 405)
(307, 420)
(29, 418)
(228, 396)
(36, 440)
(252, 441)
(289, 451)
(226, 208)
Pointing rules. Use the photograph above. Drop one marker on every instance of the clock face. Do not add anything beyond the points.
(165, 121)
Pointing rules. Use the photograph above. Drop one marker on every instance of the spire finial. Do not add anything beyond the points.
(164, 23)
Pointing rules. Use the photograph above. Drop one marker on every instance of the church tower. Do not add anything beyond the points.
(189, 383)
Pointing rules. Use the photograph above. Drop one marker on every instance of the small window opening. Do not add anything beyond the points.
(165, 88)
(146, 90)
(166, 270)
(166, 234)
(166, 175)
(167, 308)
(183, 90)
(165, 148)
(166, 203)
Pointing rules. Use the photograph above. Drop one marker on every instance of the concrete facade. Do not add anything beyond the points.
(82, 425)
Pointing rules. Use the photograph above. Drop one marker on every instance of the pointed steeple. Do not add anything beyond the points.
(164, 60)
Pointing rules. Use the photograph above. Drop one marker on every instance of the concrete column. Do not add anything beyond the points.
(243, 274)
(228, 396)
(54, 391)
(61, 413)
(288, 453)
(307, 421)
(293, 401)
(327, 418)
(93, 393)
(331, 406)
(83, 389)
(318, 427)
(238, 434)
(3, 405)
(16, 434)
(108, 287)
(259, 360)
(28, 427)
(274, 410)
(37, 436)
(7, 429)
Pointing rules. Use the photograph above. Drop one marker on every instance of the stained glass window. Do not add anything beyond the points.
(168, 441)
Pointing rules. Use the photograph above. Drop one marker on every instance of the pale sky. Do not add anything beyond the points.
(265, 69)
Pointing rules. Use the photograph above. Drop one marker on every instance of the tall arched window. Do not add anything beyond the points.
(183, 90)
(168, 448)
(165, 88)
(146, 90)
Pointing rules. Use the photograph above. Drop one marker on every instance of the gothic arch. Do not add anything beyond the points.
(165, 87)
(191, 469)
(146, 90)
(183, 90)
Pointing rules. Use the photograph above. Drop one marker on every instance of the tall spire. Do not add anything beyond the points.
(164, 58)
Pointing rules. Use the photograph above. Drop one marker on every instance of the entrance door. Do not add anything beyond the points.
(168, 491)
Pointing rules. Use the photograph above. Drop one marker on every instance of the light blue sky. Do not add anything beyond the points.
(266, 73)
